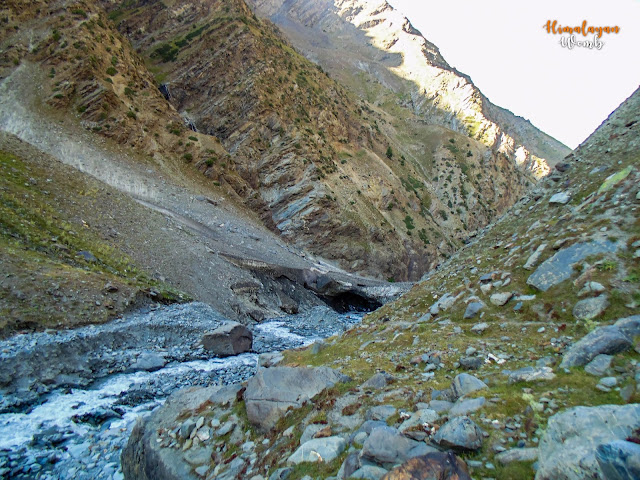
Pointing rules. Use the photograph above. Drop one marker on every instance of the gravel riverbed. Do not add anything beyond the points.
(70, 399)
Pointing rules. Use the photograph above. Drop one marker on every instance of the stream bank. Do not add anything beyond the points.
(69, 399)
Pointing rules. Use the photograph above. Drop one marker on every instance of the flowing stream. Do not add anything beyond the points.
(65, 432)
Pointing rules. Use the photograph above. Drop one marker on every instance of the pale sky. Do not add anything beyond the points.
(503, 47)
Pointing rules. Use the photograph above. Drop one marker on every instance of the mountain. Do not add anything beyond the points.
(206, 116)
(374, 49)
(518, 358)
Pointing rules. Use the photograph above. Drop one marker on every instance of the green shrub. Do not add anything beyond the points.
(389, 152)
(131, 114)
(111, 71)
(80, 12)
(187, 157)
(193, 139)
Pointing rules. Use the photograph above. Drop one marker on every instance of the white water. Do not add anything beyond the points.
(18, 428)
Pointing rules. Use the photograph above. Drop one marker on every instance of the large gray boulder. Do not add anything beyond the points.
(232, 338)
(464, 384)
(559, 267)
(273, 390)
(459, 433)
(318, 450)
(568, 448)
(610, 339)
(387, 446)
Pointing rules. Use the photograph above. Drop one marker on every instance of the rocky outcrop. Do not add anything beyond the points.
(568, 448)
(231, 338)
(272, 391)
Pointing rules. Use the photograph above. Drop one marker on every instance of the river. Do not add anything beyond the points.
(51, 430)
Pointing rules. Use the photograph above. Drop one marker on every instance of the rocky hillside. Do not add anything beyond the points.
(520, 356)
(325, 168)
(375, 50)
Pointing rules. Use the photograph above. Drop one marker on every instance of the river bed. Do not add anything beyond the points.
(78, 432)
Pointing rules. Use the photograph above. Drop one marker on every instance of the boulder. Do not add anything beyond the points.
(386, 445)
(531, 374)
(464, 384)
(318, 450)
(568, 448)
(472, 309)
(609, 339)
(629, 326)
(559, 267)
(501, 299)
(590, 308)
(273, 390)
(459, 433)
(432, 466)
(619, 460)
(561, 198)
(232, 338)
(517, 455)
(599, 365)
(379, 380)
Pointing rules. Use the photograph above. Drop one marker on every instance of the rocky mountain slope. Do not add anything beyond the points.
(521, 351)
(375, 50)
(303, 144)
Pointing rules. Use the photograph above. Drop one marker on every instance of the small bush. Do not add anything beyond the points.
(389, 152)
(111, 71)
(80, 12)
(82, 108)
(131, 114)
(187, 157)
(193, 139)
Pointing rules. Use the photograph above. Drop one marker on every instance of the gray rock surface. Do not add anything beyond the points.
(466, 406)
(619, 460)
(517, 455)
(459, 433)
(599, 365)
(609, 339)
(531, 374)
(232, 338)
(464, 384)
(273, 390)
(387, 445)
(560, 198)
(568, 447)
(378, 380)
(380, 412)
(501, 299)
(143, 458)
(472, 309)
(318, 450)
(559, 267)
(590, 308)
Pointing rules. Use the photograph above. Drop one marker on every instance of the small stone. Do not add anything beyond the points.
(531, 374)
(608, 382)
(459, 433)
(319, 450)
(561, 198)
(590, 308)
(501, 299)
(480, 327)
(591, 287)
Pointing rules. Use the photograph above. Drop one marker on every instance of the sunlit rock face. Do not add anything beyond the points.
(379, 41)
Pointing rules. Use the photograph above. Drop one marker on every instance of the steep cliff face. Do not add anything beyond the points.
(370, 37)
